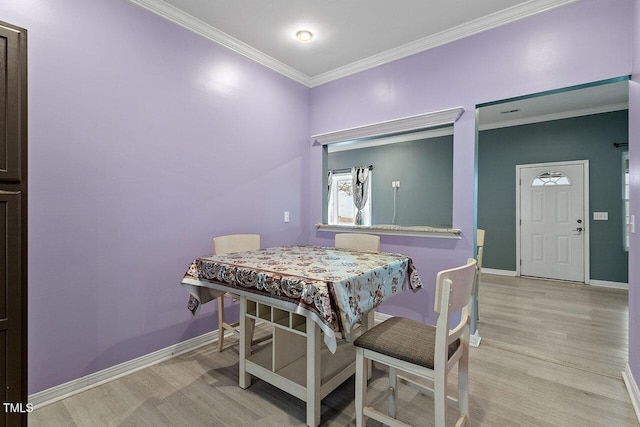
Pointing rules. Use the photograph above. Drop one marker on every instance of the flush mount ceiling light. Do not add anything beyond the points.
(304, 36)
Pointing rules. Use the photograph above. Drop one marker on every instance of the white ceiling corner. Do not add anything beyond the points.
(199, 27)
(258, 29)
(467, 29)
(343, 60)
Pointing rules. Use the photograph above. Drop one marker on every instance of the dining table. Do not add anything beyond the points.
(314, 299)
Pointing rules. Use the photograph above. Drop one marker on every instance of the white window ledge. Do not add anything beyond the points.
(395, 230)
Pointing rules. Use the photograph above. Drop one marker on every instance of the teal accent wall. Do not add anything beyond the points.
(425, 171)
(582, 138)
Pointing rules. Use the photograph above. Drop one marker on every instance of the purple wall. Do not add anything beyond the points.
(146, 141)
(586, 41)
(634, 168)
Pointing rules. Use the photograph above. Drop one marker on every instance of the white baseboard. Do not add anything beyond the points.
(474, 340)
(608, 284)
(62, 391)
(499, 272)
(87, 382)
(381, 317)
(632, 388)
(592, 282)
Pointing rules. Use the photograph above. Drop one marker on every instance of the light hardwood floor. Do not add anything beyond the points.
(552, 354)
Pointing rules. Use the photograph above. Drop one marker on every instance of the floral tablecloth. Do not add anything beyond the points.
(336, 286)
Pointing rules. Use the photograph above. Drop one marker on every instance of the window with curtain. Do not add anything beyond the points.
(342, 208)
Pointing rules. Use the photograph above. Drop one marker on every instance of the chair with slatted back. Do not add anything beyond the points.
(358, 241)
(224, 245)
(423, 350)
(480, 251)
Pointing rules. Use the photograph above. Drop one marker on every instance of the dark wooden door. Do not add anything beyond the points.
(13, 226)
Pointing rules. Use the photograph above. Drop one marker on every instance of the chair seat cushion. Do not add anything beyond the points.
(404, 339)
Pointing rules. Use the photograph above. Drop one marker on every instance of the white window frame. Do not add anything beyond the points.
(550, 178)
(332, 206)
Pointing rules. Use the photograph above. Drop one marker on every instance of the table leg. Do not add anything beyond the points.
(368, 322)
(313, 373)
(245, 345)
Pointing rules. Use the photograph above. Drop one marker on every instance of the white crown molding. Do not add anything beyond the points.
(199, 27)
(506, 16)
(556, 116)
(404, 124)
(503, 17)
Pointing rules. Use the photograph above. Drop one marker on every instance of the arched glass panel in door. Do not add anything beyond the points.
(550, 178)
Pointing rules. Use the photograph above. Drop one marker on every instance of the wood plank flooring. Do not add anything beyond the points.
(551, 355)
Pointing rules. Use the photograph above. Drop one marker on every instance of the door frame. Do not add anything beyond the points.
(585, 214)
(17, 182)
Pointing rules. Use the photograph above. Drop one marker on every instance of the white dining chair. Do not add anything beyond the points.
(224, 245)
(358, 241)
(423, 350)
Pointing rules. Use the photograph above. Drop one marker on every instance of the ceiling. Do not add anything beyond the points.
(561, 104)
(349, 35)
(355, 35)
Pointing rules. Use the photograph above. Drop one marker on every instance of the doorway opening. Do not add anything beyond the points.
(587, 122)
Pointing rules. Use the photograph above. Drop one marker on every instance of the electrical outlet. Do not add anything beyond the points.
(601, 216)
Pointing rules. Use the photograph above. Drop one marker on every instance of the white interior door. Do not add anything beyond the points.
(553, 220)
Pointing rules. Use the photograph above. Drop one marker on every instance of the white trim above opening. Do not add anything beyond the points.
(390, 127)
